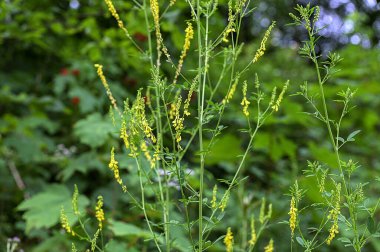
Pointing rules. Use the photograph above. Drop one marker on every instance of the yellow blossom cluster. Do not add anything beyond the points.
(265, 216)
(144, 149)
(269, 247)
(223, 203)
(99, 70)
(65, 222)
(114, 13)
(178, 120)
(186, 104)
(229, 240)
(114, 166)
(334, 214)
(213, 201)
(293, 215)
(245, 103)
(231, 92)
(74, 201)
(253, 239)
(260, 52)
(276, 105)
(189, 34)
(99, 213)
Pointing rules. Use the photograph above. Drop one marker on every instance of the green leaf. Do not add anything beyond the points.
(43, 209)
(226, 148)
(352, 135)
(125, 229)
(93, 130)
(371, 225)
(300, 241)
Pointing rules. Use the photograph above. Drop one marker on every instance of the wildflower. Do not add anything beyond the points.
(257, 82)
(280, 97)
(334, 214)
(99, 213)
(65, 222)
(232, 90)
(269, 247)
(93, 241)
(293, 215)
(260, 52)
(189, 97)
(189, 34)
(178, 121)
(213, 201)
(99, 70)
(223, 203)
(253, 239)
(172, 2)
(124, 134)
(139, 109)
(144, 149)
(229, 240)
(114, 166)
(73, 248)
(245, 103)
(231, 22)
(75, 200)
(155, 9)
(114, 13)
(273, 97)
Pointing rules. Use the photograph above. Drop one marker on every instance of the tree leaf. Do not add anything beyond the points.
(93, 130)
(43, 209)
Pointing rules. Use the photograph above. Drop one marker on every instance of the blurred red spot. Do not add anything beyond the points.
(64, 71)
(75, 72)
(146, 99)
(140, 37)
(75, 100)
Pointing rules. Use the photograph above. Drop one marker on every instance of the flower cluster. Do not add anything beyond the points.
(334, 214)
(65, 222)
(99, 213)
(269, 247)
(229, 240)
(189, 34)
(231, 92)
(293, 215)
(260, 52)
(245, 103)
(114, 166)
(253, 239)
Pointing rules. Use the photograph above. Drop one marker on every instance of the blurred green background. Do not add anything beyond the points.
(55, 132)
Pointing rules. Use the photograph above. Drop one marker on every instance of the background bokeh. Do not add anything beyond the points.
(55, 132)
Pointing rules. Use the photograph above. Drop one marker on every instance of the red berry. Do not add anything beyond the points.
(64, 71)
(75, 72)
(140, 37)
(75, 100)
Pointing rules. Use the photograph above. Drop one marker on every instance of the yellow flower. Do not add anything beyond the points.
(269, 247)
(189, 95)
(114, 13)
(99, 70)
(178, 121)
(229, 240)
(124, 134)
(114, 166)
(213, 201)
(99, 213)
(189, 34)
(245, 103)
(223, 203)
(231, 92)
(293, 215)
(65, 222)
(334, 214)
(144, 149)
(260, 52)
(253, 239)
(280, 97)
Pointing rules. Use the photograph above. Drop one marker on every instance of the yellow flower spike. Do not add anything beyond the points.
(74, 201)
(99, 70)
(231, 92)
(73, 248)
(189, 34)
(229, 240)
(123, 134)
(276, 106)
(144, 149)
(178, 121)
(213, 201)
(114, 13)
(260, 52)
(334, 214)
(293, 215)
(223, 203)
(273, 97)
(253, 239)
(65, 222)
(269, 247)
(114, 167)
(245, 103)
(93, 241)
(188, 99)
(99, 213)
